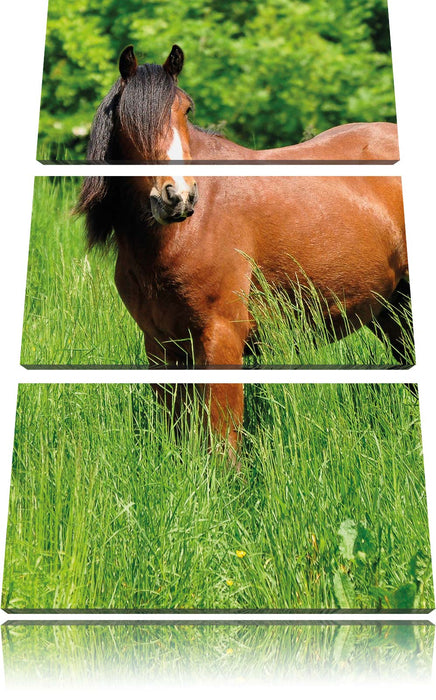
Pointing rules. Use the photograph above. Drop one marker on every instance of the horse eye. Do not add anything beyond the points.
(188, 110)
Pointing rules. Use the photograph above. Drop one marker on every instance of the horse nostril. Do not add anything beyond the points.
(168, 191)
(171, 195)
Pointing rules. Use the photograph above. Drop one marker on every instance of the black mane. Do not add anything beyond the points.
(96, 203)
(113, 207)
(145, 108)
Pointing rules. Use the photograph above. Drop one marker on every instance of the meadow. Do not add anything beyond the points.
(114, 505)
(74, 316)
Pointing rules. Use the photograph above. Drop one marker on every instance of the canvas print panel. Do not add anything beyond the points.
(218, 272)
(218, 82)
(121, 502)
(45, 655)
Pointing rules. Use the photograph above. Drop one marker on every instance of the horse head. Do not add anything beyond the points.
(144, 118)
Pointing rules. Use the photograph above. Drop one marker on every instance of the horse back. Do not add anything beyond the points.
(358, 142)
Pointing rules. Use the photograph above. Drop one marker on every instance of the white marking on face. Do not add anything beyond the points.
(175, 152)
(182, 186)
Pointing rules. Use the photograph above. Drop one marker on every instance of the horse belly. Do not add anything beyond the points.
(343, 237)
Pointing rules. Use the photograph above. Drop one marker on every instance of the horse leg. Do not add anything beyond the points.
(226, 412)
(221, 345)
(391, 324)
(172, 399)
(211, 396)
(175, 398)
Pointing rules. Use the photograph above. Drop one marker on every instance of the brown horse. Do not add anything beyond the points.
(144, 119)
(184, 277)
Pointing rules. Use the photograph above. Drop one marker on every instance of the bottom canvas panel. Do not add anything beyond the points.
(121, 503)
(77, 655)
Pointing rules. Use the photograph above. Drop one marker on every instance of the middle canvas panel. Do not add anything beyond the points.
(218, 272)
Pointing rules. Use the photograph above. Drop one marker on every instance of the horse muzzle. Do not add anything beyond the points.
(174, 202)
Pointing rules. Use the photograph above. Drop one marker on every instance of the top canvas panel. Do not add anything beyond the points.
(288, 81)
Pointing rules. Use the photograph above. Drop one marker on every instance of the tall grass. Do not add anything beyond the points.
(73, 312)
(111, 507)
(292, 330)
(74, 315)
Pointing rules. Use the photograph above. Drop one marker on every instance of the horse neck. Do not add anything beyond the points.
(210, 147)
(139, 247)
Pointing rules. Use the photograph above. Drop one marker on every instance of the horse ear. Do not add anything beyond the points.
(128, 63)
(174, 63)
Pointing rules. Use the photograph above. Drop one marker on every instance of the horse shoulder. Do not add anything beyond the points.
(128, 286)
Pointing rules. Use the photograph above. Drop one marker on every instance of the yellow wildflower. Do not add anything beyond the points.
(240, 553)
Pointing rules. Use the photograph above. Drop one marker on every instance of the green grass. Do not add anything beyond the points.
(75, 317)
(187, 652)
(73, 312)
(111, 507)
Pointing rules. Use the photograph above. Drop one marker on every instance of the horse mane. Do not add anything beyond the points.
(145, 107)
(210, 131)
(96, 202)
(100, 145)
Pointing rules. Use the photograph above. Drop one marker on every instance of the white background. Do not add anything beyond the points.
(413, 37)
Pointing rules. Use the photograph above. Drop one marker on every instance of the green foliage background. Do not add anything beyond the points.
(267, 72)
